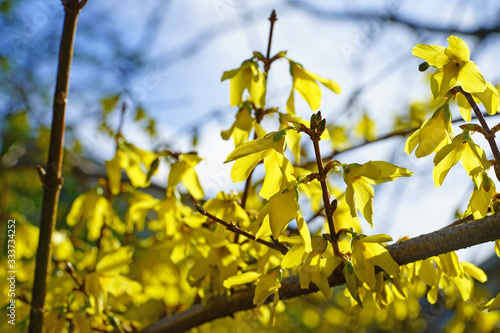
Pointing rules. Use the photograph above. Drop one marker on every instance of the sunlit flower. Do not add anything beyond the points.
(453, 67)
(434, 133)
(246, 77)
(306, 83)
(360, 178)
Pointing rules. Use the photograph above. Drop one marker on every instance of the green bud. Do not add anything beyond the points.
(313, 121)
(423, 66)
(466, 135)
(281, 54)
(349, 268)
(486, 182)
(496, 206)
(301, 178)
(258, 55)
(152, 169)
(333, 205)
(321, 126)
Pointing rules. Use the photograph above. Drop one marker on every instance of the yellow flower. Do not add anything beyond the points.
(359, 179)
(279, 171)
(462, 149)
(305, 83)
(368, 253)
(480, 199)
(453, 67)
(434, 133)
(246, 77)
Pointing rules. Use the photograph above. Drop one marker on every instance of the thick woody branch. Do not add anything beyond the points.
(442, 241)
(51, 176)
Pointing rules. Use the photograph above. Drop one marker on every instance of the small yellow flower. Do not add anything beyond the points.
(462, 149)
(246, 77)
(434, 133)
(453, 65)
(360, 178)
(306, 83)
(480, 199)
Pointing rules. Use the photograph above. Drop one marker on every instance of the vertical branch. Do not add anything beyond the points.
(317, 127)
(258, 113)
(273, 18)
(51, 178)
(329, 208)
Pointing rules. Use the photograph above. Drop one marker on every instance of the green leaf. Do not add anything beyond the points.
(109, 103)
(139, 114)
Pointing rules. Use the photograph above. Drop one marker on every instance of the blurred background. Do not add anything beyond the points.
(162, 61)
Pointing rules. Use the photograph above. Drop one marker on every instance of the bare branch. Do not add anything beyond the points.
(52, 180)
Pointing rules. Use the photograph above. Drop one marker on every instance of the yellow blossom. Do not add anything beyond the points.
(246, 77)
(434, 133)
(306, 84)
(453, 65)
(359, 179)
(463, 149)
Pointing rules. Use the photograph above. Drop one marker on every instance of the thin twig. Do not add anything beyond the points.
(234, 228)
(326, 197)
(314, 133)
(273, 19)
(122, 120)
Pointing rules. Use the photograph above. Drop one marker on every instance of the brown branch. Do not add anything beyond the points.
(418, 248)
(272, 19)
(488, 134)
(314, 133)
(52, 181)
(234, 228)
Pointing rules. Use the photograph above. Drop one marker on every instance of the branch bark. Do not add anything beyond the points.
(51, 177)
(441, 241)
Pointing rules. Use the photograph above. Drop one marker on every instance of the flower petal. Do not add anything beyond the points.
(458, 47)
(471, 79)
(489, 98)
(433, 54)
(464, 107)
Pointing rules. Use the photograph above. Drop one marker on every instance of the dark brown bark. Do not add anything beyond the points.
(51, 178)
